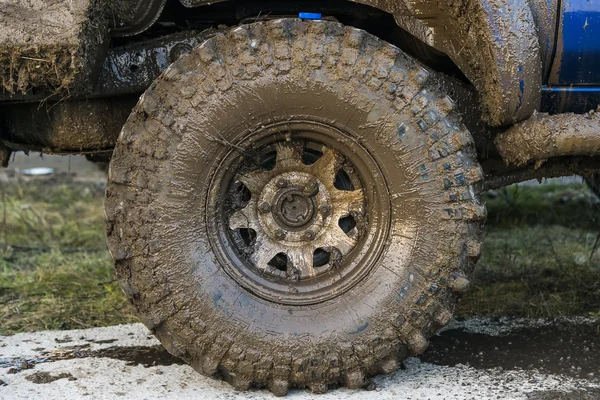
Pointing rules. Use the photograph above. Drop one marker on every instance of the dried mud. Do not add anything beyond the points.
(53, 45)
(544, 136)
(495, 44)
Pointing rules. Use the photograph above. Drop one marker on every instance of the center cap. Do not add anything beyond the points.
(293, 208)
(289, 208)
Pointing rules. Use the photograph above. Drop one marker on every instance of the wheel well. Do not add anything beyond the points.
(175, 17)
(478, 35)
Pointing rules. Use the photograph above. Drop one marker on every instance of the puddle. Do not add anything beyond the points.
(588, 394)
(146, 356)
(564, 349)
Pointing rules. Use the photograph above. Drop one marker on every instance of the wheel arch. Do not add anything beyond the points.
(495, 43)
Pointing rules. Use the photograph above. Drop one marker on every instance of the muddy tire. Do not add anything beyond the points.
(294, 204)
(594, 183)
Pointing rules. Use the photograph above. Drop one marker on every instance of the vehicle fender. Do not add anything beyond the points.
(495, 43)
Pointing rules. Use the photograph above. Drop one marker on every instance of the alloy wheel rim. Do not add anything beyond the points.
(305, 256)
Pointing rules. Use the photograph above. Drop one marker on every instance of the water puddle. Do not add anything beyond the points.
(146, 356)
(562, 348)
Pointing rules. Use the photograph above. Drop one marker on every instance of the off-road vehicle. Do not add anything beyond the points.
(293, 198)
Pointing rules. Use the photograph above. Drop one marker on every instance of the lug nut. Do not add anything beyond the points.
(280, 234)
(310, 235)
(264, 207)
(325, 210)
(311, 188)
(282, 183)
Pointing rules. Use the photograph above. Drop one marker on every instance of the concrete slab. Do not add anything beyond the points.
(474, 359)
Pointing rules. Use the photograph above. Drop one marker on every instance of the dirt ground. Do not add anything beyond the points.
(479, 359)
(528, 329)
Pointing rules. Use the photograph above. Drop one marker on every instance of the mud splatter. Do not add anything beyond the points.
(545, 136)
(146, 356)
(46, 377)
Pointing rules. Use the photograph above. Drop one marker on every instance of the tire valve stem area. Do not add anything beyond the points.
(299, 220)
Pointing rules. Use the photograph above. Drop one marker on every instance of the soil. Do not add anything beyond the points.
(46, 377)
(53, 45)
(544, 136)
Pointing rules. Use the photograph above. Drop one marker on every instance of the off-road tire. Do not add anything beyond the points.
(156, 205)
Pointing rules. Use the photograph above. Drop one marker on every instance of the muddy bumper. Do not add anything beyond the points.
(544, 136)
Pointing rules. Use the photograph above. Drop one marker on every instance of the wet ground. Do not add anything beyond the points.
(472, 359)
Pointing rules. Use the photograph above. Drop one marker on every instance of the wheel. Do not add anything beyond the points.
(593, 182)
(293, 205)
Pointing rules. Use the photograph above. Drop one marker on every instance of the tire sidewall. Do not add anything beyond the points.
(387, 291)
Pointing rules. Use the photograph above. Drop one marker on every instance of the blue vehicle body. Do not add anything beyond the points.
(573, 84)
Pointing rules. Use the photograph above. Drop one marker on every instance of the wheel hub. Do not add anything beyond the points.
(301, 215)
(295, 211)
(293, 208)
(288, 207)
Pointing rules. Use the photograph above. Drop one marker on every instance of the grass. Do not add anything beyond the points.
(55, 271)
(540, 257)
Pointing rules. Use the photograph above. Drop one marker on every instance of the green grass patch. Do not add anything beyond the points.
(55, 270)
(539, 257)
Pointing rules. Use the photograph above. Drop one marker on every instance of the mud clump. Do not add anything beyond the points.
(46, 377)
(545, 136)
(50, 44)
